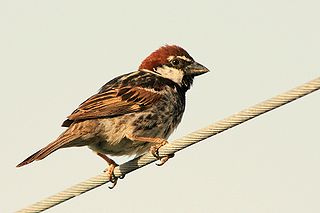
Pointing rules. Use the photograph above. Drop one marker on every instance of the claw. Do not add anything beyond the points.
(112, 178)
(114, 183)
(164, 159)
(155, 152)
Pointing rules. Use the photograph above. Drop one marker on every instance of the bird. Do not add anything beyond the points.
(133, 113)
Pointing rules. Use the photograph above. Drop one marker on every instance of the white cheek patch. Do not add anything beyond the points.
(173, 74)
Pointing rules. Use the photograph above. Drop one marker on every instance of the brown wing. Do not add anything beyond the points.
(114, 102)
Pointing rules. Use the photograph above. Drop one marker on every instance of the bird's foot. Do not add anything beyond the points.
(158, 142)
(112, 178)
(110, 170)
(155, 152)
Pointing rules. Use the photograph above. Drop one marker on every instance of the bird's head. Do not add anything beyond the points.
(174, 63)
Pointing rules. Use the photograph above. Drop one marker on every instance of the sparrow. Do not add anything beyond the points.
(133, 113)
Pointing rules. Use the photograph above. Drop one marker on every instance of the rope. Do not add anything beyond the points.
(177, 145)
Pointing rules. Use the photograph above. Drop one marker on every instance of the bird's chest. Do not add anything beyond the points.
(161, 119)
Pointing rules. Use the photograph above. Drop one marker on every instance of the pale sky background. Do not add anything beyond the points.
(55, 54)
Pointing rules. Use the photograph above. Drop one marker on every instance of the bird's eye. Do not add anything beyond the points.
(175, 62)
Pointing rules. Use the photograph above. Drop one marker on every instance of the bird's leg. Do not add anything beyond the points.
(110, 169)
(158, 142)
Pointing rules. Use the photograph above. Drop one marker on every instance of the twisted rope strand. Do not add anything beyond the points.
(177, 145)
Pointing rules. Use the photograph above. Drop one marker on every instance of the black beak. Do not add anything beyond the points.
(195, 69)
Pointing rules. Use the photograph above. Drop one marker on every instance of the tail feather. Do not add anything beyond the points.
(62, 141)
(29, 159)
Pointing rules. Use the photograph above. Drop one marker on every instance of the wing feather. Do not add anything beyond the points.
(114, 102)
